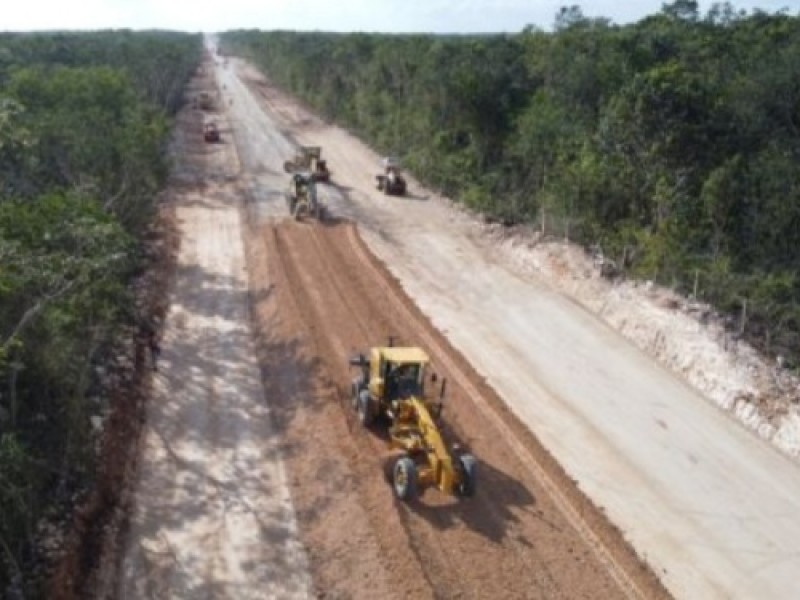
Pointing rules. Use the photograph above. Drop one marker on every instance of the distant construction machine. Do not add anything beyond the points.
(211, 132)
(309, 159)
(391, 181)
(390, 388)
(203, 101)
(301, 197)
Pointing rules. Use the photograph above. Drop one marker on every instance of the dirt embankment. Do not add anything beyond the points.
(684, 335)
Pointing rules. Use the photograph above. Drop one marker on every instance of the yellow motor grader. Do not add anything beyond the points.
(390, 389)
(309, 159)
(301, 197)
(211, 132)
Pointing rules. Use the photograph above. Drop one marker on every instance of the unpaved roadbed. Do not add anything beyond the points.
(318, 293)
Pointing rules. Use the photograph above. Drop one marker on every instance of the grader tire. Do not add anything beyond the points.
(366, 414)
(469, 474)
(404, 480)
(356, 388)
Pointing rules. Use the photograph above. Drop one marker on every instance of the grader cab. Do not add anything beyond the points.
(391, 389)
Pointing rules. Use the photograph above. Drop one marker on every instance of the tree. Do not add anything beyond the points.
(683, 10)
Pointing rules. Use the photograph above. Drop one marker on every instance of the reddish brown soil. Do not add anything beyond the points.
(319, 297)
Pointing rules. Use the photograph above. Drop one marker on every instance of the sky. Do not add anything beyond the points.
(437, 16)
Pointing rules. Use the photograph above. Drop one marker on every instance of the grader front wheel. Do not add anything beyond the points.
(404, 480)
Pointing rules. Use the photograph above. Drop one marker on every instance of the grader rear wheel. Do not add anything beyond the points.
(469, 473)
(366, 414)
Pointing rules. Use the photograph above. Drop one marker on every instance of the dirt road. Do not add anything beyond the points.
(711, 507)
(213, 516)
(324, 296)
(320, 296)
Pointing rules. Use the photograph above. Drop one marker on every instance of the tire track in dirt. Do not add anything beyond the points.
(357, 549)
(509, 537)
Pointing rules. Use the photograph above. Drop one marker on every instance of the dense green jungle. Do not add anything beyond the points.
(84, 126)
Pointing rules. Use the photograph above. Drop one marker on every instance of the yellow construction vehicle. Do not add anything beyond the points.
(301, 197)
(309, 159)
(211, 132)
(391, 181)
(390, 389)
